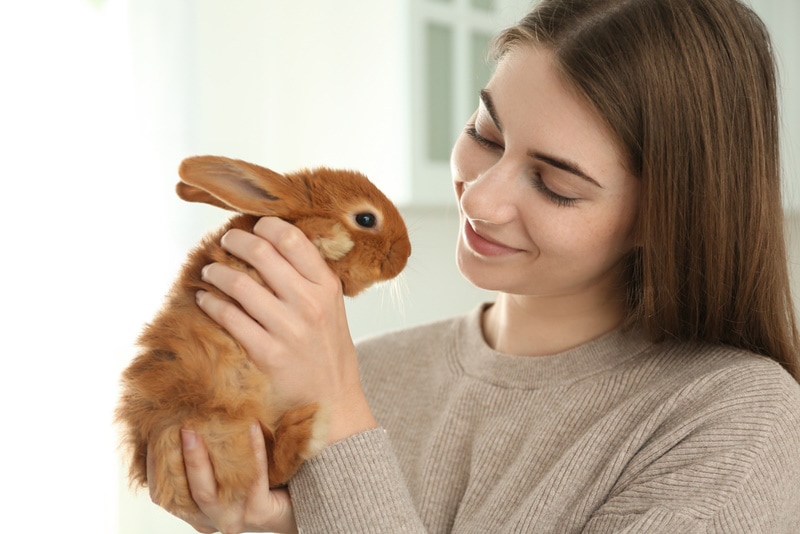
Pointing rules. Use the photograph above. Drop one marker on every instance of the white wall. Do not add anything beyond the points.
(284, 84)
(85, 233)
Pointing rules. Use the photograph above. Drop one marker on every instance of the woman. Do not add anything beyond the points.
(619, 188)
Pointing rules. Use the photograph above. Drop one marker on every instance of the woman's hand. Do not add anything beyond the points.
(264, 510)
(296, 329)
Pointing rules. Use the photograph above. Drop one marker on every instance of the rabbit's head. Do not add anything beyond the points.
(355, 226)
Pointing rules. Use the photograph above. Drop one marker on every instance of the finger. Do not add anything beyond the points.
(279, 274)
(203, 488)
(303, 257)
(199, 523)
(202, 483)
(199, 472)
(259, 496)
(259, 302)
(295, 247)
(151, 473)
(254, 335)
(261, 483)
(265, 505)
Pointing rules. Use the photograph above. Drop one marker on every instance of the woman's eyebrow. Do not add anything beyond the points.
(564, 165)
(558, 163)
(486, 98)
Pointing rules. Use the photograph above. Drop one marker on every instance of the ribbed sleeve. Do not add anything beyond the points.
(354, 486)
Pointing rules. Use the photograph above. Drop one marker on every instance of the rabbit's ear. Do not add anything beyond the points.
(190, 193)
(230, 184)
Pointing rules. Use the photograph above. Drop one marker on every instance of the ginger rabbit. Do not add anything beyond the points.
(191, 373)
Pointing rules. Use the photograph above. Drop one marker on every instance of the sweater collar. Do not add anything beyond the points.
(480, 361)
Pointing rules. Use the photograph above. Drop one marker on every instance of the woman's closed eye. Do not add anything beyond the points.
(472, 133)
(558, 200)
(537, 181)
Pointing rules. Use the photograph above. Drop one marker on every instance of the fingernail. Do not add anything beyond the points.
(189, 439)
(254, 429)
(203, 272)
(199, 295)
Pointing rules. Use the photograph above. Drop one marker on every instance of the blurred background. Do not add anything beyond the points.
(99, 102)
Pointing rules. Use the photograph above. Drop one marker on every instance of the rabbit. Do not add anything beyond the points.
(191, 373)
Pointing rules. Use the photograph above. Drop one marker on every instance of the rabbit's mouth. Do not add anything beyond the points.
(396, 258)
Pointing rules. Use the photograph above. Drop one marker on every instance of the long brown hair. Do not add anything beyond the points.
(689, 88)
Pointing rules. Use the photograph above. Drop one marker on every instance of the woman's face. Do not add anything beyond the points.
(547, 205)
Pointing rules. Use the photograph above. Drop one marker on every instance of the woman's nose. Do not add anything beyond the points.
(491, 196)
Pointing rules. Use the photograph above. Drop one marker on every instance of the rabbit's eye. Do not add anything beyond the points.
(366, 220)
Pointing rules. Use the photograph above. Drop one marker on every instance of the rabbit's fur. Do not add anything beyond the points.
(191, 374)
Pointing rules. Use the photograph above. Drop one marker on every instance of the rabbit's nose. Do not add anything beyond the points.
(397, 257)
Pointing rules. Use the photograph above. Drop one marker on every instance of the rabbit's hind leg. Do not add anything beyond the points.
(299, 435)
(230, 449)
(169, 487)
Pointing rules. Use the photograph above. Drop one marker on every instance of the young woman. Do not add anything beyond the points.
(619, 188)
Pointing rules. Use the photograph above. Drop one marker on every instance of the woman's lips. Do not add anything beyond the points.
(484, 246)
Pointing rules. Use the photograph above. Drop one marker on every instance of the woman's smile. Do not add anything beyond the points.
(484, 245)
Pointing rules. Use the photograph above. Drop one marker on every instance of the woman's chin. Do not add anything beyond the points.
(477, 273)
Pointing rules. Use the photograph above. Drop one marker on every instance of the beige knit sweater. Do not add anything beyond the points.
(618, 435)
